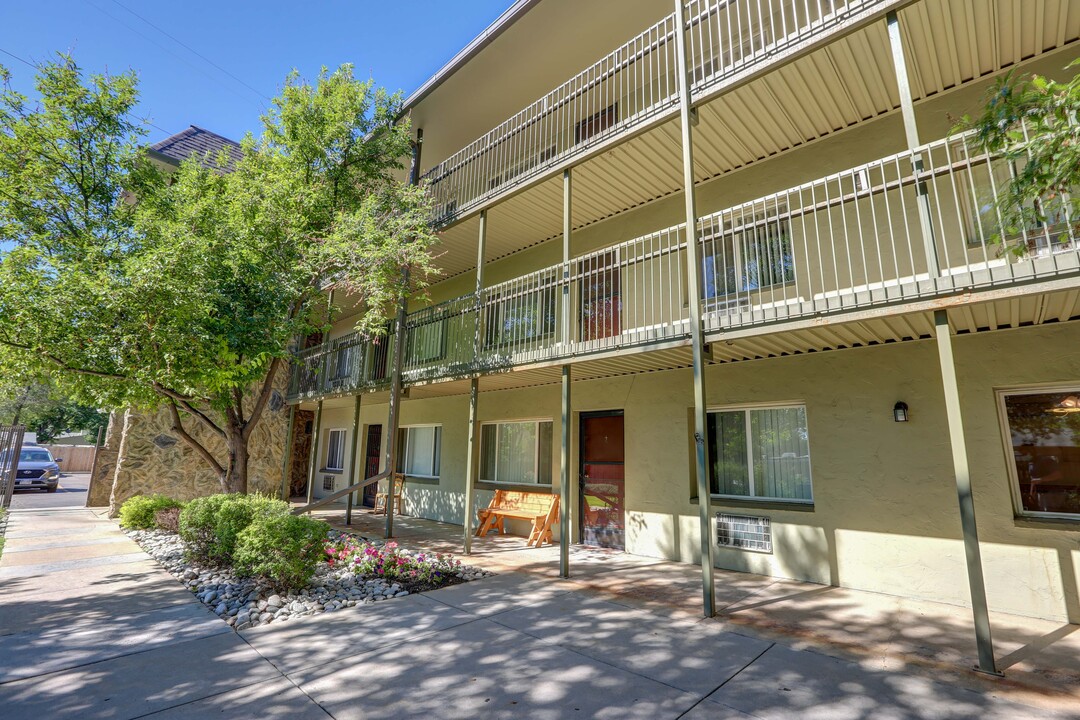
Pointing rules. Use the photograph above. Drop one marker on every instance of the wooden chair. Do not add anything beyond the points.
(380, 497)
(540, 508)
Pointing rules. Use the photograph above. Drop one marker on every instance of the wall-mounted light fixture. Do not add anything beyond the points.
(899, 412)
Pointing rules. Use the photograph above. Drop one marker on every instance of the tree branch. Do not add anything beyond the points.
(178, 428)
(53, 359)
(264, 396)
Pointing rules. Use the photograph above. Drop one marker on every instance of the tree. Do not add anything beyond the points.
(133, 288)
(1033, 122)
(45, 411)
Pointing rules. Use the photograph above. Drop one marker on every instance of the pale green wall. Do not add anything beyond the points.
(885, 515)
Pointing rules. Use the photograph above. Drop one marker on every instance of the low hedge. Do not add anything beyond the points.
(211, 525)
(137, 512)
(284, 549)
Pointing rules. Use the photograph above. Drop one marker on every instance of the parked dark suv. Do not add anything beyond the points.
(37, 469)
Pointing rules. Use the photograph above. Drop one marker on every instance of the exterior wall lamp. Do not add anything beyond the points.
(899, 412)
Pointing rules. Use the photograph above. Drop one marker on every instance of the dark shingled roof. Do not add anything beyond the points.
(199, 142)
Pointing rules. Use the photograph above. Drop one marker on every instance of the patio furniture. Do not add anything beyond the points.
(540, 508)
(380, 497)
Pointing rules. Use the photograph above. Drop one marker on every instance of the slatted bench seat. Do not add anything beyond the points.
(540, 508)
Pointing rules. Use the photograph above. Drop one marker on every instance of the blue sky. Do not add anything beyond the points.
(253, 43)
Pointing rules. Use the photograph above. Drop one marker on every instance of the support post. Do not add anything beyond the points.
(472, 460)
(287, 455)
(567, 412)
(394, 418)
(911, 132)
(313, 457)
(976, 584)
(354, 474)
(693, 270)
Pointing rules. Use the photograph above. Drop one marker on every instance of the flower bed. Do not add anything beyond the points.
(340, 570)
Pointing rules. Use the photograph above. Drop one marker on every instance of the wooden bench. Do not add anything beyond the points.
(540, 508)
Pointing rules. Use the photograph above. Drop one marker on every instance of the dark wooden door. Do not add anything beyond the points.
(602, 479)
(372, 452)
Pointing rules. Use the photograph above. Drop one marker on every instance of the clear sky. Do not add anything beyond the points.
(252, 43)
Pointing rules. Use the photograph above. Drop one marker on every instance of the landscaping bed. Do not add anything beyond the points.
(252, 563)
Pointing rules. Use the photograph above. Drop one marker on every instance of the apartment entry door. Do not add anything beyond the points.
(372, 452)
(602, 479)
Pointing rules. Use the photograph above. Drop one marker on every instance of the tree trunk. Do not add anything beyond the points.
(236, 472)
(114, 505)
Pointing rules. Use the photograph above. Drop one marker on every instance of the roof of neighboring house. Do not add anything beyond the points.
(196, 141)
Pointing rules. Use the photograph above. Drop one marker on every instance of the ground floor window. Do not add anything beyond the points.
(760, 452)
(419, 451)
(335, 450)
(1043, 429)
(516, 452)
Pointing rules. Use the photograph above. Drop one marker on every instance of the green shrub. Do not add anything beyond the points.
(211, 525)
(283, 549)
(137, 513)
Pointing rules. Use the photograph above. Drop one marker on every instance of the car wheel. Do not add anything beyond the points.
(51, 488)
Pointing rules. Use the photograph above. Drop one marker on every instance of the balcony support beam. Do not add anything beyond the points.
(353, 466)
(567, 412)
(693, 270)
(472, 459)
(313, 457)
(983, 638)
(911, 132)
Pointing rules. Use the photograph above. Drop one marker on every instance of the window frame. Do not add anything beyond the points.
(746, 408)
(713, 243)
(536, 452)
(330, 433)
(502, 304)
(1000, 394)
(403, 453)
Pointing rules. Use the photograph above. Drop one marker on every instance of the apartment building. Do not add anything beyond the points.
(720, 275)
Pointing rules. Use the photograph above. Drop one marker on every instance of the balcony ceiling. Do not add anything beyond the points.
(948, 45)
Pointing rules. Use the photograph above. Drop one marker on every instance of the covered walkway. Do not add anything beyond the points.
(1040, 658)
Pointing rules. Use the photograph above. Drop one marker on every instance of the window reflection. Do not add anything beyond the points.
(1045, 435)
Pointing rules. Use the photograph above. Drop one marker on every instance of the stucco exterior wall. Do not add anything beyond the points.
(885, 513)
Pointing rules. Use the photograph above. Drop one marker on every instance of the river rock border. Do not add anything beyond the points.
(248, 602)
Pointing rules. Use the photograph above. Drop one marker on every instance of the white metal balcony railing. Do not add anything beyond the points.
(627, 88)
(856, 239)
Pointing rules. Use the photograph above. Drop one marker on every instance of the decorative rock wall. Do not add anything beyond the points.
(155, 460)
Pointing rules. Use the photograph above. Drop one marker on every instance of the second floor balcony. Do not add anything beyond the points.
(880, 235)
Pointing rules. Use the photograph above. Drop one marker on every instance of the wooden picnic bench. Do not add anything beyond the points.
(540, 508)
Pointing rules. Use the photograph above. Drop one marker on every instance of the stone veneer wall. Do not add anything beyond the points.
(156, 461)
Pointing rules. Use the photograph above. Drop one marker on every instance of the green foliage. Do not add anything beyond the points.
(137, 513)
(211, 525)
(284, 549)
(133, 288)
(1032, 122)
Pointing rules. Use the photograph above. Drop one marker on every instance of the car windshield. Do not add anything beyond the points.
(34, 456)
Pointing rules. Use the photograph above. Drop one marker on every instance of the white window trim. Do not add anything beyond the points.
(749, 451)
(326, 459)
(405, 448)
(536, 451)
(1007, 447)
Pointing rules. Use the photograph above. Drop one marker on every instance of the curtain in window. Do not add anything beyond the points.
(420, 455)
(335, 450)
(781, 453)
(508, 452)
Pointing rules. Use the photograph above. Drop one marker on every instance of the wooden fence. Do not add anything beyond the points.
(75, 458)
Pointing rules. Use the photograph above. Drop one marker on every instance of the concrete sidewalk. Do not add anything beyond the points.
(91, 627)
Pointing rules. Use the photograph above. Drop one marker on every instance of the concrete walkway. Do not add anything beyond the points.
(91, 627)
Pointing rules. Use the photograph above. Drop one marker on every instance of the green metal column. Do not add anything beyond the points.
(911, 132)
(313, 456)
(976, 584)
(354, 474)
(693, 273)
(286, 456)
(565, 533)
(472, 460)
